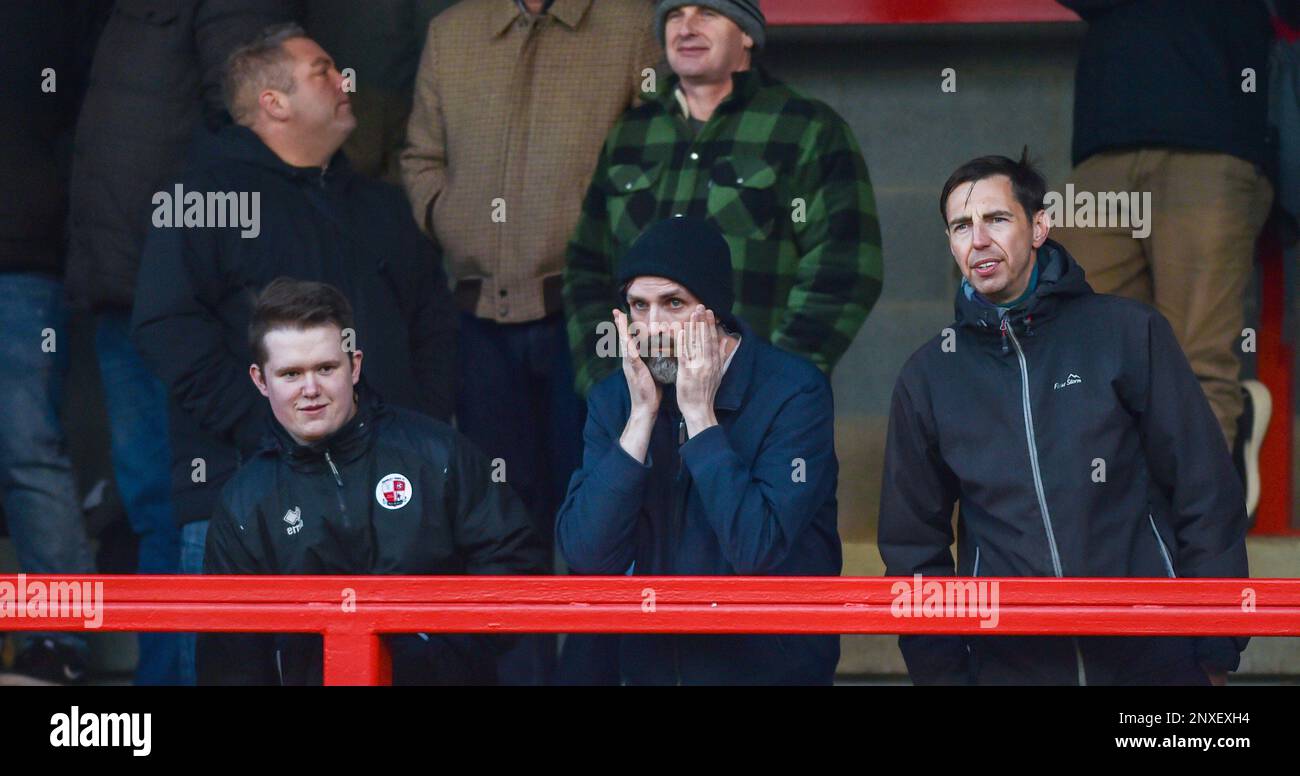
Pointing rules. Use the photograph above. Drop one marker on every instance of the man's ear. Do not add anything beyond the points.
(255, 372)
(1042, 225)
(273, 104)
(356, 366)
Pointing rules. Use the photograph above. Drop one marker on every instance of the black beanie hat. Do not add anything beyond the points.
(690, 251)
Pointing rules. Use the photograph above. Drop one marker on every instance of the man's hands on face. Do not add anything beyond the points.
(642, 388)
(699, 369)
(699, 351)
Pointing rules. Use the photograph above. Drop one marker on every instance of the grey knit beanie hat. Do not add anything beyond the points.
(745, 13)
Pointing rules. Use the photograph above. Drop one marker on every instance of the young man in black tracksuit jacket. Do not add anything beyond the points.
(344, 484)
(1073, 433)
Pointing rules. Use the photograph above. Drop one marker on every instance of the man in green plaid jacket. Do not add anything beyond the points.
(778, 172)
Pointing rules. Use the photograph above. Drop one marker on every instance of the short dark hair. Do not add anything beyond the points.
(295, 304)
(1027, 183)
(261, 63)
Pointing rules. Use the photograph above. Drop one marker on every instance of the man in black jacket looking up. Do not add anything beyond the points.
(346, 485)
(285, 202)
(1071, 429)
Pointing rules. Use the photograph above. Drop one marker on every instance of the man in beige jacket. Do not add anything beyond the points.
(513, 100)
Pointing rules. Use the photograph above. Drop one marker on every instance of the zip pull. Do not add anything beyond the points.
(681, 440)
(338, 492)
(1003, 328)
(333, 469)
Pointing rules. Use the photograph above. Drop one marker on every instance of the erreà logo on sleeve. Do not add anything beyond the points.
(103, 729)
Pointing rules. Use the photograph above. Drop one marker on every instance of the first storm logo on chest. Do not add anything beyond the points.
(393, 491)
(1072, 379)
(294, 518)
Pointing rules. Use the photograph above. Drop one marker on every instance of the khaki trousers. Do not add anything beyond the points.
(1194, 265)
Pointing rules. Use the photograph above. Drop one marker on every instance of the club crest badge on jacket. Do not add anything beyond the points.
(393, 491)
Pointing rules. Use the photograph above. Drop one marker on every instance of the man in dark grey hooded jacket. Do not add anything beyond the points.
(1071, 429)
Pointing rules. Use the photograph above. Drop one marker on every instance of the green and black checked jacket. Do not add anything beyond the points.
(781, 176)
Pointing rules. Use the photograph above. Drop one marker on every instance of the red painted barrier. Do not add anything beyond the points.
(832, 12)
(352, 612)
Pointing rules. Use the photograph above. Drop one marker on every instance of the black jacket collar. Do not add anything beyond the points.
(237, 143)
(1060, 278)
(349, 443)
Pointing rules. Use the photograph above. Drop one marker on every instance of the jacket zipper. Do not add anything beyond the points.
(674, 525)
(338, 491)
(1009, 331)
(975, 572)
(1164, 551)
(507, 161)
(678, 503)
(1033, 448)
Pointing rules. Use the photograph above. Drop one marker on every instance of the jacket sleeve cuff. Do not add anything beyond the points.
(622, 473)
(1218, 652)
(936, 660)
(705, 448)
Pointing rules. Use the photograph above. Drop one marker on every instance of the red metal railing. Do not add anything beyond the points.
(352, 612)
(827, 12)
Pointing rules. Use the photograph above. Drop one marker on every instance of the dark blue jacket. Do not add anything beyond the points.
(1079, 444)
(754, 495)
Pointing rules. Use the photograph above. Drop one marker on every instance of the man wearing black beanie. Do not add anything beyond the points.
(710, 452)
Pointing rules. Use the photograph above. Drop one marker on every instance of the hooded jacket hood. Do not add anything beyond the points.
(345, 445)
(1059, 278)
(237, 143)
